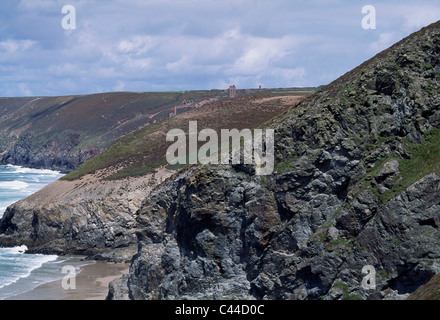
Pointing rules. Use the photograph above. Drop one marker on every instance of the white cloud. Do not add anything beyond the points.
(64, 69)
(120, 86)
(13, 46)
(144, 45)
(292, 77)
(259, 54)
(385, 40)
(420, 15)
(24, 90)
(137, 45)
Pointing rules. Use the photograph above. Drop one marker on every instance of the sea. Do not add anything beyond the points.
(21, 272)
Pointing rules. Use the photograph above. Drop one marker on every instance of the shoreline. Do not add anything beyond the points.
(91, 283)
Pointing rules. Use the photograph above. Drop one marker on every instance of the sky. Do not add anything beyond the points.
(173, 45)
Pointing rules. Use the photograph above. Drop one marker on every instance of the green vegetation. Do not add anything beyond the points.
(428, 66)
(89, 122)
(144, 150)
(129, 150)
(342, 286)
(286, 166)
(425, 158)
(339, 244)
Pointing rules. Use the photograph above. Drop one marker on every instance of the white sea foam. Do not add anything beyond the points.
(19, 272)
(13, 185)
(15, 265)
(15, 250)
(18, 169)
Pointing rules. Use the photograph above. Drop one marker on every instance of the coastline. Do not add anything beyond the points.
(92, 277)
(91, 284)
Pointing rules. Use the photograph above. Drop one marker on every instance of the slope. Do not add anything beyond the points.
(144, 150)
(93, 210)
(62, 132)
(357, 184)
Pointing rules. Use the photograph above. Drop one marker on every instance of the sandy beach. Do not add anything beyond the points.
(91, 284)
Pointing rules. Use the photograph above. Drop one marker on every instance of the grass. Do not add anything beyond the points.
(134, 171)
(342, 286)
(144, 150)
(125, 150)
(425, 159)
(99, 119)
(286, 166)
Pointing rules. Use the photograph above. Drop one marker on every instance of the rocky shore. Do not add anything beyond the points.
(356, 184)
(89, 216)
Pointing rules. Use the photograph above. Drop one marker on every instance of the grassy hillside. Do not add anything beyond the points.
(98, 118)
(145, 149)
(63, 132)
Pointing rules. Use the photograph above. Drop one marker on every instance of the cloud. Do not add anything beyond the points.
(24, 89)
(13, 46)
(137, 45)
(419, 15)
(144, 45)
(385, 40)
(259, 53)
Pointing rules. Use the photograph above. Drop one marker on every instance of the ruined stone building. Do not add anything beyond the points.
(232, 91)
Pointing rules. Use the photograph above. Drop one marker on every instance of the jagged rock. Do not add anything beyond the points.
(118, 289)
(312, 227)
(90, 217)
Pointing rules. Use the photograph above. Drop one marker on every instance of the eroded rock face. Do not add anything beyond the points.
(61, 155)
(90, 217)
(231, 242)
(307, 231)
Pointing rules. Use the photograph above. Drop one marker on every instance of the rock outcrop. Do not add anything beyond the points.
(56, 154)
(92, 211)
(91, 217)
(357, 184)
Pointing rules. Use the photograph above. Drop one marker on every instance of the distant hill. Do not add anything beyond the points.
(144, 150)
(63, 132)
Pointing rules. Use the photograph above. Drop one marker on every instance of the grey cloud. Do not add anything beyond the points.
(144, 45)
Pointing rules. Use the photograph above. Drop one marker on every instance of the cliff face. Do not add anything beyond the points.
(61, 155)
(357, 184)
(88, 217)
(93, 210)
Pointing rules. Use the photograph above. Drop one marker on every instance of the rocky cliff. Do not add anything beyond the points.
(356, 184)
(93, 210)
(90, 217)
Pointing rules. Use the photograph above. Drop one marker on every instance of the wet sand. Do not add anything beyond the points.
(91, 284)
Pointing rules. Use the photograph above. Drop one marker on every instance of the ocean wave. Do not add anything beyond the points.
(14, 185)
(18, 271)
(15, 250)
(19, 169)
(22, 266)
